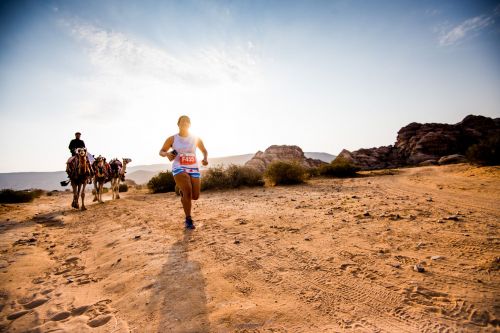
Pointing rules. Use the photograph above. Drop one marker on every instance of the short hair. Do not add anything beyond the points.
(78, 133)
(183, 117)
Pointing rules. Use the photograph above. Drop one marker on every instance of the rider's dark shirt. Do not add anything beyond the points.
(75, 143)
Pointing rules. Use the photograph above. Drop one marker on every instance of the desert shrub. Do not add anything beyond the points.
(285, 173)
(162, 182)
(486, 152)
(214, 178)
(243, 176)
(339, 167)
(130, 182)
(312, 172)
(123, 188)
(233, 176)
(12, 196)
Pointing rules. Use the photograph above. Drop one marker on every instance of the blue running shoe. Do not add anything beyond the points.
(189, 223)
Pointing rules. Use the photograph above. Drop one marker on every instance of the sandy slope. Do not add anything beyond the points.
(328, 256)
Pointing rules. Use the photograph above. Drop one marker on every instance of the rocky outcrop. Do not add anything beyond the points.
(261, 160)
(426, 144)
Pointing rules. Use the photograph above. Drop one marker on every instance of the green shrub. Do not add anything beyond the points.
(11, 196)
(233, 177)
(123, 188)
(486, 152)
(339, 167)
(285, 173)
(162, 182)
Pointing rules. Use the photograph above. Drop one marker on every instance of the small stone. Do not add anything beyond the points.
(236, 241)
(137, 237)
(452, 218)
(418, 268)
(440, 221)
(308, 239)
(436, 257)
(367, 213)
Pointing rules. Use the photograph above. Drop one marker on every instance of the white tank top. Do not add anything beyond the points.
(186, 152)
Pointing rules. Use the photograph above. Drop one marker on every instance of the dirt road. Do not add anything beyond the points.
(332, 255)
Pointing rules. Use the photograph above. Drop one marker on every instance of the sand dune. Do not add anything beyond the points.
(332, 255)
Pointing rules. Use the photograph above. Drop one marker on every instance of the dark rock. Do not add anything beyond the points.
(428, 162)
(423, 144)
(451, 159)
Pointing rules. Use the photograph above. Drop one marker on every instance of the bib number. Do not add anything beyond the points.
(187, 159)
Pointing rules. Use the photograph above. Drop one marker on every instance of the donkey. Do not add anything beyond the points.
(118, 174)
(79, 172)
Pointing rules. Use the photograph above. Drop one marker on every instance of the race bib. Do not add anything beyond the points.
(187, 159)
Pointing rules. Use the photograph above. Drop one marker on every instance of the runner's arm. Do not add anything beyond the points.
(201, 146)
(166, 146)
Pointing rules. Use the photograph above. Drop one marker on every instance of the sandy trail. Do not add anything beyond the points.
(328, 256)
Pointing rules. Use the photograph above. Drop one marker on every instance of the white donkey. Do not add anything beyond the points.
(118, 170)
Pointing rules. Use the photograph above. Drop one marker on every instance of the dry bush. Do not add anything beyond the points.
(339, 167)
(486, 152)
(285, 173)
(12, 196)
(233, 176)
(162, 183)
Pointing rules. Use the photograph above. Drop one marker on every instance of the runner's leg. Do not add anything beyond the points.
(195, 185)
(184, 183)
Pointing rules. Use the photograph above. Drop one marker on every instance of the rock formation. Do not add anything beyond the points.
(261, 160)
(427, 144)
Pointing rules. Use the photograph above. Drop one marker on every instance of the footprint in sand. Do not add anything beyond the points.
(61, 316)
(17, 314)
(35, 303)
(79, 310)
(99, 320)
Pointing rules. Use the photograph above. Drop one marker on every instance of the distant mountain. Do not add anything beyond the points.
(325, 157)
(141, 174)
(26, 180)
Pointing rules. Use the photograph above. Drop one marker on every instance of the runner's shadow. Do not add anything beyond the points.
(182, 303)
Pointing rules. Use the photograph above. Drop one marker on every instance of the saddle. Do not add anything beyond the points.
(116, 169)
(73, 165)
(103, 171)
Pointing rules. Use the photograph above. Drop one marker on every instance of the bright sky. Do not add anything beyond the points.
(323, 75)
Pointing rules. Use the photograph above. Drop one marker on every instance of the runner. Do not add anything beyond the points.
(185, 166)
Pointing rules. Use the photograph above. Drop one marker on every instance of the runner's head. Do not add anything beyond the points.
(77, 135)
(184, 122)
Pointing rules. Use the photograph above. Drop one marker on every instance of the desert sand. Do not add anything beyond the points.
(332, 255)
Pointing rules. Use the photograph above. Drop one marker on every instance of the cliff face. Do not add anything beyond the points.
(261, 160)
(426, 143)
